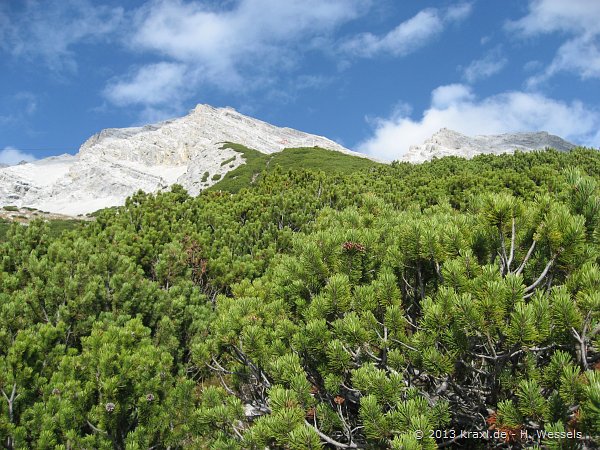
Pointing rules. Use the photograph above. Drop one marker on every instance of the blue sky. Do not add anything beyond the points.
(375, 75)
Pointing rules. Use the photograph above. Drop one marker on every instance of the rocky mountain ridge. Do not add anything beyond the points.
(116, 163)
(452, 143)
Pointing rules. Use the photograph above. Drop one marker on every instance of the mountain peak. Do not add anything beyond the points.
(447, 142)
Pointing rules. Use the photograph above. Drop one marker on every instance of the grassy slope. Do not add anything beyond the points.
(57, 227)
(313, 158)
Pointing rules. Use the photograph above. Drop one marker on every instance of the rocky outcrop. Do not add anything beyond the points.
(451, 143)
(115, 163)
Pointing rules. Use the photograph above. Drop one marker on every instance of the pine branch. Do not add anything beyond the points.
(542, 276)
(527, 256)
(503, 256)
(582, 340)
(396, 341)
(512, 247)
(218, 372)
(247, 361)
(329, 440)
(96, 429)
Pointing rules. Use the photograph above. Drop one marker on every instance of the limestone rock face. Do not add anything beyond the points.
(451, 143)
(116, 163)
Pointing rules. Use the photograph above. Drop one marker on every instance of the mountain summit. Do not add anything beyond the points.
(115, 163)
(451, 143)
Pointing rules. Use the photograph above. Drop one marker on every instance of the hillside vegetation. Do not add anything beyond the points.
(364, 307)
(308, 158)
(55, 226)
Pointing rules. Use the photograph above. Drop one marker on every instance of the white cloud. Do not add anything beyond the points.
(409, 35)
(218, 38)
(158, 88)
(238, 46)
(578, 19)
(580, 55)
(450, 94)
(246, 45)
(547, 16)
(11, 156)
(457, 108)
(253, 37)
(47, 30)
(402, 40)
(492, 63)
(456, 13)
(153, 84)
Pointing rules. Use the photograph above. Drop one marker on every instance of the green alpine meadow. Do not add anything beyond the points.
(314, 300)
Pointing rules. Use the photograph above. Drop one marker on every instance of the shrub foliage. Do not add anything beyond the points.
(364, 308)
